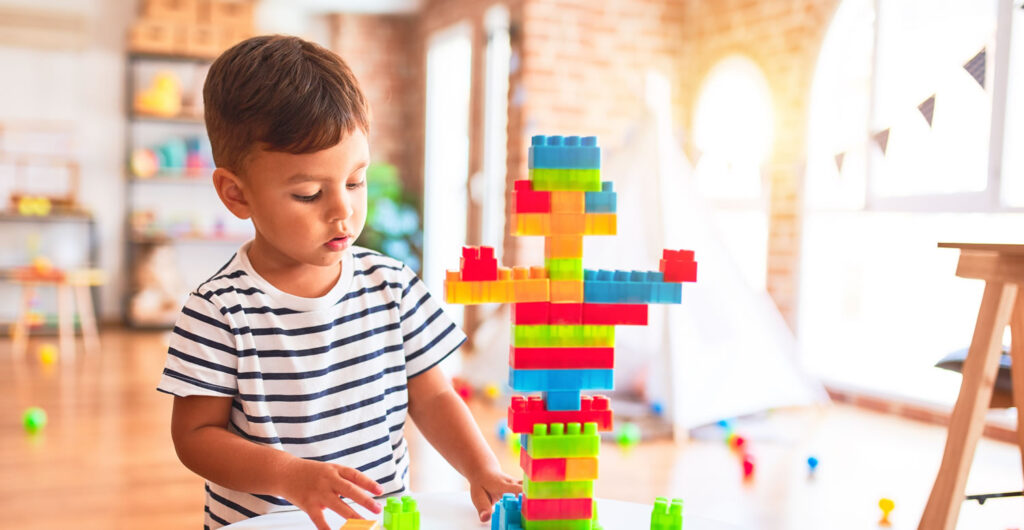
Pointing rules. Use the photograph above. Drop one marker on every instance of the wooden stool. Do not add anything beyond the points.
(1002, 268)
(72, 286)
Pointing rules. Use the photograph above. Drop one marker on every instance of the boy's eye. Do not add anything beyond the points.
(307, 198)
(356, 185)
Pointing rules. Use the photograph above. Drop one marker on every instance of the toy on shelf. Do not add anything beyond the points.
(32, 205)
(187, 156)
(401, 514)
(162, 97)
(563, 329)
(34, 420)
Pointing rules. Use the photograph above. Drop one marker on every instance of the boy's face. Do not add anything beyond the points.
(307, 209)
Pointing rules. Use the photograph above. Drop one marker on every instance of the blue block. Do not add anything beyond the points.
(629, 287)
(603, 201)
(554, 380)
(563, 400)
(508, 513)
(571, 152)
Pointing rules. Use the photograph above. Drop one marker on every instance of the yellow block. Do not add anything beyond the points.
(568, 201)
(600, 224)
(580, 469)
(361, 524)
(566, 290)
(563, 247)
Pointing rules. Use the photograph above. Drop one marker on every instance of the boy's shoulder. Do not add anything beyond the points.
(367, 262)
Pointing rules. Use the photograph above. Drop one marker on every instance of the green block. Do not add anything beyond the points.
(401, 515)
(566, 336)
(667, 516)
(577, 489)
(564, 268)
(560, 440)
(565, 179)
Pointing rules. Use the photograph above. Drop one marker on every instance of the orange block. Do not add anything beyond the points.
(361, 524)
(600, 224)
(568, 201)
(532, 290)
(580, 469)
(568, 223)
(563, 247)
(566, 290)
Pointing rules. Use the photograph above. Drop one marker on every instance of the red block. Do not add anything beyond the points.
(525, 200)
(566, 313)
(525, 313)
(615, 314)
(678, 266)
(542, 469)
(549, 509)
(478, 264)
(561, 358)
(524, 413)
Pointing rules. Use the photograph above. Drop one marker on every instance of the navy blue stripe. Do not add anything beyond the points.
(422, 326)
(319, 437)
(257, 310)
(277, 501)
(220, 270)
(354, 449)
(201, 384)
(263, 354)
(324, 327)
(323, 393)
(233, 505)
(366, 290)
(287, 376)
(230, 289)
(201, 362)
(421, 351)
(325, 414)
(412, 282)
(409, 313)
(205, 341)
(370, 465)
(216, 519)
(374, 268)
(230, 276)
(367, 253)
(195, 315)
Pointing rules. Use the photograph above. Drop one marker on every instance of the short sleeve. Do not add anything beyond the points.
(202, 357)
(428, 334)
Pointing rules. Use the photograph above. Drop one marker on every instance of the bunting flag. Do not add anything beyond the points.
(839, 161)
(927, 108)
(882, 139)
(976, 67)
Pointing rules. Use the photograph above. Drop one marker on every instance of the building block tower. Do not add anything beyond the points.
(563, 329)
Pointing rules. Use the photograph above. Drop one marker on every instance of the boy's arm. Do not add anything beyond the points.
(445, 421)
(204, 445)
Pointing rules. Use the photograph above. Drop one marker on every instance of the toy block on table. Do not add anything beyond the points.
(526, 200)
(524, 413)
(600, 224)
(563, 400)
(401, 515)
(556, 335)
(566, 290)
(558, 489)
(614, 314)
(531, 313)
(666, 515)
(603, 201)
(678, 266)
(549, 509)
(558, 469)
(361, 524)
(564, 268)
(629, 287)
(554, 358)
(478, 264)
(558, 380)
(562, 440)
(507, 513)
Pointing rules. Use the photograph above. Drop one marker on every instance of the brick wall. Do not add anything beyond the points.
(582, 65)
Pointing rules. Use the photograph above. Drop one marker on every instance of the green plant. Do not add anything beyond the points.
(393, 224)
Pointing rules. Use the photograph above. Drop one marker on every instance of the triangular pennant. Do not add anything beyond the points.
(882, 139)
(976, 67)
(839, 161)
(927, 108)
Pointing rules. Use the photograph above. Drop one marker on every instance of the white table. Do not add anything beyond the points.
(454, 511)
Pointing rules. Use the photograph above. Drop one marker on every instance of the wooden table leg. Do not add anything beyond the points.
(87, 317)
(65, 323)
(19, 334)
(968, 420)
(1017, 367)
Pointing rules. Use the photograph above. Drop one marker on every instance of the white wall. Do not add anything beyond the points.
(78, 81)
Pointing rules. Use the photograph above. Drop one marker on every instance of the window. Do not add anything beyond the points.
(495, 166)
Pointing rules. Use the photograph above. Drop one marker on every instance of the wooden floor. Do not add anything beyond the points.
(106, 460)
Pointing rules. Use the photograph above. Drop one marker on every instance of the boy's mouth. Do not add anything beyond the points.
(338, 243)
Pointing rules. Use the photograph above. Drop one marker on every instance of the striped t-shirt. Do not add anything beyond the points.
(321, 378)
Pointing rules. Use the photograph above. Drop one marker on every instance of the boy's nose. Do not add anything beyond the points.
(341, 207)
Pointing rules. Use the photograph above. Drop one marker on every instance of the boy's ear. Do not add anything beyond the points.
(231, 191)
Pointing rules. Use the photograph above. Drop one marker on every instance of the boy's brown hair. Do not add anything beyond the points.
(283, 92)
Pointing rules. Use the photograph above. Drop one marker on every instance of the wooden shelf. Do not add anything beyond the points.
(153, 118)
(173, 179)
(236, 239)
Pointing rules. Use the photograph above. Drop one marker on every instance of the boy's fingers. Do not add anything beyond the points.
(360, 480)
(342, 508)
(358, 495)
(482, 503)
(317, 516)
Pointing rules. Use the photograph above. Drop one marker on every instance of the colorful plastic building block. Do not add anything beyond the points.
(561, 358)
(558, 489)
(614, 314)
(549, 509)
(508, 513)
(603, 201)
(629, 287)
(555, 380)
(478, 264)
(678, 266)
(667, 515)
(401, 515)
(565, 290)
(600, 224)
(563, 400)
(361, 524)
(564, 201)
(570, 246)
(558, 469)
(571, 152)
(526, 200)
(543, 336)
(524, 413)
(561, 440)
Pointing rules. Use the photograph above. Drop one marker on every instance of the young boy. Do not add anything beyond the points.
(294, 366)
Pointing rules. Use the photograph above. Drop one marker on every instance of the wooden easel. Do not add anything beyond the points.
(1002, 268)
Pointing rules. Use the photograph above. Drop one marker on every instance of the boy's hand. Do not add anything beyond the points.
(312, 486)
(487, 488)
